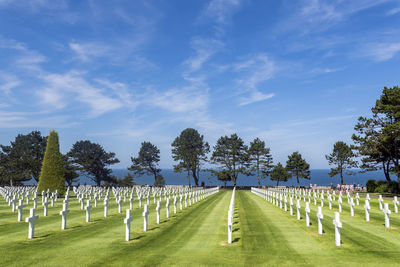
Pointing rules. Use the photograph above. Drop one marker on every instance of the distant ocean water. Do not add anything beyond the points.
(318, 176)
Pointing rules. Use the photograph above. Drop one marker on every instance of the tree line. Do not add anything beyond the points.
(376, 145)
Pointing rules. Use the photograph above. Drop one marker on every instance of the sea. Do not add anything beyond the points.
(319, 177)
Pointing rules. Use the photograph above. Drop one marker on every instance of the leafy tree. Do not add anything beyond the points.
(147, 161)
(22, 159)
(259, 158)
(378, 139)
(298, 167)
(223, 176)
(52, 174)
(279, 173)
(92, 160)
(70, 171)
(231, 156)
(341, 156)
(190, 150)
(159, 181)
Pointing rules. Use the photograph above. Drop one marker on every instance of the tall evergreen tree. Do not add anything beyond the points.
(52, 173)
(92, 160)
(190, 150)
(259, 159)
(378, 138)
(298, 167)
(279, 173)
(230, 154)
(342, 157)
(147, 161)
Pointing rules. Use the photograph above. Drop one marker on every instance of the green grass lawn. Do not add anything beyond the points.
(263, 235)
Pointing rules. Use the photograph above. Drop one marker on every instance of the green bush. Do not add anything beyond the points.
(52, 172)
(381, 189)
(371, 185)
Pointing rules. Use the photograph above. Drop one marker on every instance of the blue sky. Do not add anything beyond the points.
(296, 74)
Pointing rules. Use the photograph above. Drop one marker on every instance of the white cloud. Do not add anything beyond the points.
(382, 51)
(181, 100)
(221, 10)
(255, 96)
(77, 88)
(325, 70)
(253, 71)
(204, 49)
(7, 82)
(393, 11)
(87, 51)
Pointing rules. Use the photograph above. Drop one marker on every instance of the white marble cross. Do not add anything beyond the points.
(320, 216)
(340, 203)
(285, 202)
(88, 208)
(367, 208)
(291, 205)
(145, 213)
(19, 208)
(307, 209)
(64, 214)
(167, 206)
(380, 199)
(45, 206)
(35, 198)
(158, 212)
(180, 202)
(298, 209)
(31, 220)
(338, 224)
(395, 203)
(387, 211)
(82, 202)
(127, 221)
(357, 199)
(330, 201)
(174, 204)
(131, 202)
(280, 201)
(230, 224)
(14, 202)
(322, 200)
(351, 203)
(119, 204)
(105, 206)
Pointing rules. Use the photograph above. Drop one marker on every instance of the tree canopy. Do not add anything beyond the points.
(22, 159)
(298, 167)
(259, 159)
(342, 157)
(190, 150)
(230, 154)
(92, 160)
(147, 161)
(378, 138)
(279, 173)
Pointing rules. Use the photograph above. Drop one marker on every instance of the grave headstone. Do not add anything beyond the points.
(386, 211)
(31, 220)
(338, 224)
(127, 221)
(320, 216)
(145, 214)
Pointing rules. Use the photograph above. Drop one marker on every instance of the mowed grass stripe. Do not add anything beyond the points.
(82, 243)
(363, 243)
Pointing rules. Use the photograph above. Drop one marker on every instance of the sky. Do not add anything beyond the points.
(296, 74)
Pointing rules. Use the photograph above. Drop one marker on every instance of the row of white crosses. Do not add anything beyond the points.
(231, 211)
(199, 195)
(272, 196)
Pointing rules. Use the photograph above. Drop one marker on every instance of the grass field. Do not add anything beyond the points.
(263, 235)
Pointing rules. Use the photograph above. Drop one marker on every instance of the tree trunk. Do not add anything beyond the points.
(298, 182)
(11, 182)
(258, 175)
(188, 173)
(195, 178)
(341, 179)
(234, 182)
(386, 170)
(277, 183)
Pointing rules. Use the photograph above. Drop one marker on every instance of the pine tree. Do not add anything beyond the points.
(52, 173)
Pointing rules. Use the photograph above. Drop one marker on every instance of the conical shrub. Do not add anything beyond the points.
(52, 173)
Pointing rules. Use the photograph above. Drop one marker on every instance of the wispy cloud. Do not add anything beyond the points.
(252, 72)
(393, 11)
(8, 81)
(221, 10)
(204, 49)
(87, 51)
(325, 70)
(382, 51)
(62, 88)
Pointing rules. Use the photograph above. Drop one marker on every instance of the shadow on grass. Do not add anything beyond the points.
(236, 229)
(137, 238)
(235, 222)
(154, 228)
(42, 236)
(73, 227)
(236, 240)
